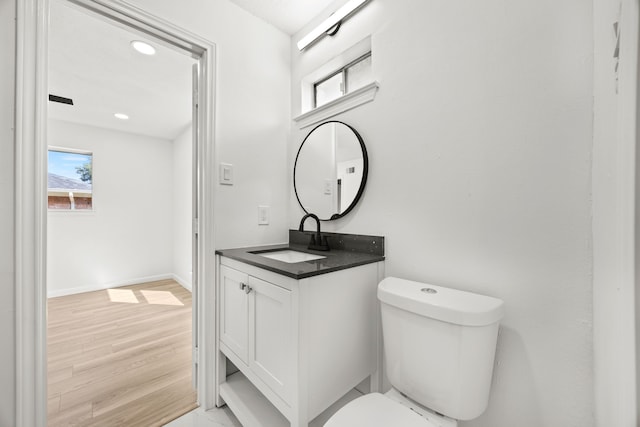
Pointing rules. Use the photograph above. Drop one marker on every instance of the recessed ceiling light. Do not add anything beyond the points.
(144, 48)
(121, 116)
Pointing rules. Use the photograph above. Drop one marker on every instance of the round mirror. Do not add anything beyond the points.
(330, 170)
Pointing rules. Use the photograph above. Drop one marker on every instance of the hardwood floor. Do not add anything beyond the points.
(120, 357)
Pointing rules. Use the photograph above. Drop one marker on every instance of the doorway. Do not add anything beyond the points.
(119, 251)
(31, 169)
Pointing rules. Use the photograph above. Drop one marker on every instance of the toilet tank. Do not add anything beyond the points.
(439, 345)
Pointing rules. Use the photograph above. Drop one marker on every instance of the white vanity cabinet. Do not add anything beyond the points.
(299, 345)
(256, 325)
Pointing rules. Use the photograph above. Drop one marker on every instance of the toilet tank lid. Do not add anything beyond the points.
(444, 304)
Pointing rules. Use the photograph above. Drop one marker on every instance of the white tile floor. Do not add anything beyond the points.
(222, 417)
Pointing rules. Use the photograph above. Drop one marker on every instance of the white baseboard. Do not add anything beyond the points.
(100, 287)
(184, 283)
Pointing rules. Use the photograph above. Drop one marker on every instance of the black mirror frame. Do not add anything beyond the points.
(365, 171)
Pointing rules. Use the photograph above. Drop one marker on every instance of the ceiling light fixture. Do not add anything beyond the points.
(143, 47)
(121, 116)
(331, 25)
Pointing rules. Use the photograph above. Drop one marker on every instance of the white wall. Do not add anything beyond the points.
(480, 168)
(182, 207)
(7, 222)
(128, 237)
(613, 195)
(252, 115)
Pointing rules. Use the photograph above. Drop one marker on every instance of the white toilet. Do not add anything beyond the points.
(439, 347)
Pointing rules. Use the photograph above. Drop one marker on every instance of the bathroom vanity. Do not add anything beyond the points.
(297, 329)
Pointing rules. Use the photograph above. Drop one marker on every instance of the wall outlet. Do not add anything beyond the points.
(263, 215)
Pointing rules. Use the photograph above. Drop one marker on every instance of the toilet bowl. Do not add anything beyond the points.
(439, 346)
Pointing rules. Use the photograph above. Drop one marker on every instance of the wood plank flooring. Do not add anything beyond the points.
(120, 357)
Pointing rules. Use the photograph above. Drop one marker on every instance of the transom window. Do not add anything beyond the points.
(70, 180)
(352, 76)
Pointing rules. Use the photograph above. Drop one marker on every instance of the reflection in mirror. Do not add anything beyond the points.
(330, 170)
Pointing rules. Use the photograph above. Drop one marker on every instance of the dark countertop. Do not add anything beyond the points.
(336, 259)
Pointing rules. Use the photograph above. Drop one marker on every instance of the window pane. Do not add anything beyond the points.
(329, 90)
(359, 74)
(69, 180)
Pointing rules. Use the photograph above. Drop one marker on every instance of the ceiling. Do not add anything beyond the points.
(91, 61)
(287, 15)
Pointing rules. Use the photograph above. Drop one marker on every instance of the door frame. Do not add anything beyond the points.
(31, 190)
(616, 224)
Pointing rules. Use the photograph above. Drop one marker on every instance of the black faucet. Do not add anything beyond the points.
(317, 242)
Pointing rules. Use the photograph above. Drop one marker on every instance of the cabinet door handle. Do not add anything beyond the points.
(242, 286)
(247, 289)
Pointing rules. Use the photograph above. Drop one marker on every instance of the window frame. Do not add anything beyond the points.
(72, 208)
(344, 85)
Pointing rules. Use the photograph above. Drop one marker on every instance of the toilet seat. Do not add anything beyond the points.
(376, 410)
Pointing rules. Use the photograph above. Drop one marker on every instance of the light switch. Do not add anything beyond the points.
(226, 174)
(263, 215)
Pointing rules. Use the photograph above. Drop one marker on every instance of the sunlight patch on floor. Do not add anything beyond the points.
(161, 297)
(122, 295)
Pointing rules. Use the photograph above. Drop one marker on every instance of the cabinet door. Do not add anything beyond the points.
(271, 352)
(234, 311)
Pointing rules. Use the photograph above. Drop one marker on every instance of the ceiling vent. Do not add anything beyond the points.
(60, 99)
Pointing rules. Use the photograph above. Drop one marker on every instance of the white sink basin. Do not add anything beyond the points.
(290, 256)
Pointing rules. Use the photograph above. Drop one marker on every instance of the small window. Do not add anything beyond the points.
(329, 89)
(70, 180)
(352, 76)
